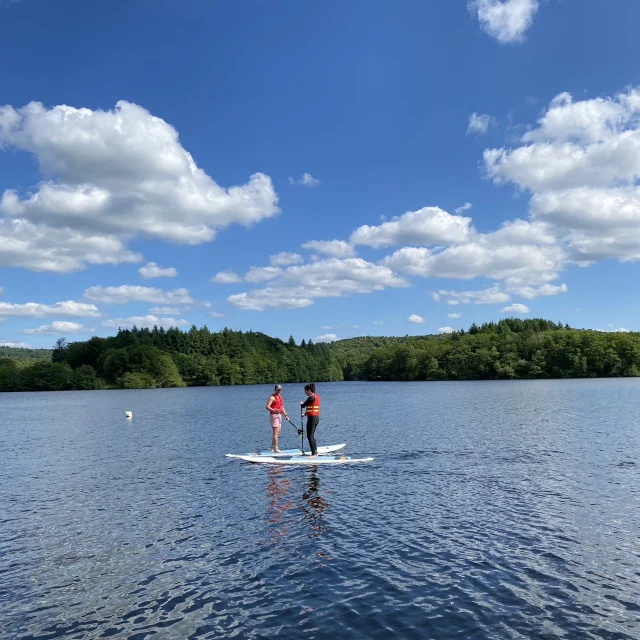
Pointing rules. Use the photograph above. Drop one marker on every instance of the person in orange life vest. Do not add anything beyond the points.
(275, 407)
(312, 411)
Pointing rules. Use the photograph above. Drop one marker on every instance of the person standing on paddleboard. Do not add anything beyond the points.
(312, 410)
(275, 407)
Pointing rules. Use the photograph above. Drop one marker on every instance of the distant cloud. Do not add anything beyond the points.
(505, 20)
(69, 308)
(455, 316)
(226, 277)
(134, 293)
(334, 248)
(216, 314)
(327, 337)
(377, 322)
(143, 321)
(284, 259)
(446, 330)
(493, 295)
(415, 319)
(307, 180)
(58, 328)
(15, 345)
(465, 207)
(621, 330)
(152, 270)
(479, 123)
(516, 308)
(164, 311)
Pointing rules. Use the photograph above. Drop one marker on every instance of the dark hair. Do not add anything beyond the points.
(310, 387)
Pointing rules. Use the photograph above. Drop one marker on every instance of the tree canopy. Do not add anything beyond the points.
(155, 358)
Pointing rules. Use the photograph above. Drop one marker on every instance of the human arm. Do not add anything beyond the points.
(269, 403)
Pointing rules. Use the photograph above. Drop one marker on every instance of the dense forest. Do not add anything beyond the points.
(153, 358)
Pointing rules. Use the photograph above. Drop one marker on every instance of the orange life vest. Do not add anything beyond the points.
(313, 409)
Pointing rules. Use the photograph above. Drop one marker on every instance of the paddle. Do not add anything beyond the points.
(300, 431)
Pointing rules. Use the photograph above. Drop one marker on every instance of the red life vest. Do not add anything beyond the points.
(313, 409)
(277, 404)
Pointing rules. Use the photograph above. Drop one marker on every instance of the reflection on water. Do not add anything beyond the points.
(314, 504)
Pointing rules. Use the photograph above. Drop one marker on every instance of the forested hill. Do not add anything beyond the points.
(144, 358)
(19, 353)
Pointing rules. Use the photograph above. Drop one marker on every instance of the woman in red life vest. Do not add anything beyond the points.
(312, 411)
(275, 407)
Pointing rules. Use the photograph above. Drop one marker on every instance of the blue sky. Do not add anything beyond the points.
(322, 169)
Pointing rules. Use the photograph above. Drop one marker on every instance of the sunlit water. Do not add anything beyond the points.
(492, 510)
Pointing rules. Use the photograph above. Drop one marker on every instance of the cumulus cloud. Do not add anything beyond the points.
(446, 330)
(307, 180)
(134, 293)
(38, 247)
(217, 314)
(152, 270)
(284, 259)
(454, 316)
(545, 290)
(111, 176)
(465, 207)
(505, 20)
(58, 327)
(15, 345)
(493, 295)
(164, 311)
(68, 308)
(298, 286)
(427, 226)
(479, 123)
(226, 277)
(582, 165)
(257, 275)
(327, 337)
(415, 319)
(148, 321)
(516, 308)
(334, 248)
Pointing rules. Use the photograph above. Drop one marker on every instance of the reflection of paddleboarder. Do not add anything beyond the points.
(317, 503)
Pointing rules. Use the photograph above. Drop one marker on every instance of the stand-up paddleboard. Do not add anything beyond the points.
(288, 453)
(304, 459)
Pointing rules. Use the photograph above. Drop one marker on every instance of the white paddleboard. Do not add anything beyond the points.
(288, 453)
(304, 459)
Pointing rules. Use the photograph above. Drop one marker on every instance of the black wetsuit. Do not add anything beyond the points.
(312, 423)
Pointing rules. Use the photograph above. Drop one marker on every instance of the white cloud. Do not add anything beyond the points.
(505, 20)
(415, 319)
(257, 275)
(15, 345)
(479, 123)
(545, 290)
(340, 326)
(307, 180)
(1, 289)
(334, 248)
(516, 308)
(216, 314)
(112, 176)
(148, 321)
(68, 308)
(298, 286)
(38, 247)
(164, 311)
(621, 330)
(454, 316)
(446, 330)
(582, 165)
(427, 226)
(226, 277)
(377, 322)
(152, 270)
(492, 295)
(134, 293)
(465, 207)
(58, 328)
(284, 259)
(327, 337)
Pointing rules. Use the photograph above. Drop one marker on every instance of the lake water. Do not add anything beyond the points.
(492, 510)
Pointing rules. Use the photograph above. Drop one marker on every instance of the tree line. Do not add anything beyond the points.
(154, 358)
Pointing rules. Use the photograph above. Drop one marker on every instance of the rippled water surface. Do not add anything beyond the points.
(492, 510)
